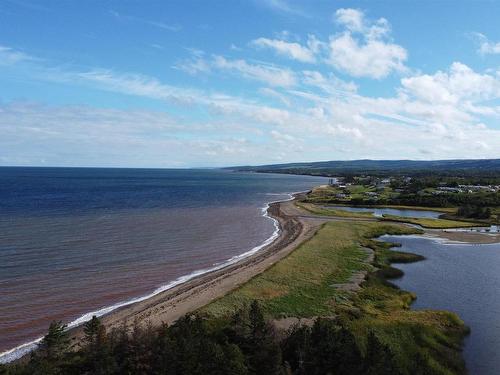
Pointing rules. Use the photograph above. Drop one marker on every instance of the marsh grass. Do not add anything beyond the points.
(317, 210)
(303, 285)
(432, 223)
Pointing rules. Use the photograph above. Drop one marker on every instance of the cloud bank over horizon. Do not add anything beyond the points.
(350, 89)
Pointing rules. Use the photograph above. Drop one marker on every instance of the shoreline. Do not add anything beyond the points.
(191, 292)
(287, 230)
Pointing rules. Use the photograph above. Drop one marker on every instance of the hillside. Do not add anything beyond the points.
(381, 167)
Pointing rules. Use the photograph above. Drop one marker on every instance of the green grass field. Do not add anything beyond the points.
(303, 285)
(300, 285)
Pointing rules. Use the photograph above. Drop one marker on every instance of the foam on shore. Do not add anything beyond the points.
(23, 349)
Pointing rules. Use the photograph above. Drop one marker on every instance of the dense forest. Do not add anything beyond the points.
(445, 200)
(195, 345)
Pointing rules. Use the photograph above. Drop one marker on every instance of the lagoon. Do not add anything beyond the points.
(379, 212)
(462, 278)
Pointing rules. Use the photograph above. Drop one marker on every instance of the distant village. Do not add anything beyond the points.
(373, 188)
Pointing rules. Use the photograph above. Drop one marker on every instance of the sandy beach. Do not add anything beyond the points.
(168, 306)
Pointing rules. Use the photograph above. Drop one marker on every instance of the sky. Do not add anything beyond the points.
(175, 84)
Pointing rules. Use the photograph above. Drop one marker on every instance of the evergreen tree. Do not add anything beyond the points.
(264, 353)
(91, 329)
(333, 350)
(295, 347)
(97, 355)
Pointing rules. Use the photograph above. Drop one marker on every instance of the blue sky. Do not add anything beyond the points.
(216, 83)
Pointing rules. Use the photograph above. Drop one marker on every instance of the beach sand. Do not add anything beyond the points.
(168, 306)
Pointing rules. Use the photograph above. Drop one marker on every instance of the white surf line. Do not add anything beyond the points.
(23, 349)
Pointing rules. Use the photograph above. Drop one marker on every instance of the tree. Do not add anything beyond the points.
(91, 329)
(295, 347)
(97, 355)
(56, 342)
(332, 350)
(264, 352)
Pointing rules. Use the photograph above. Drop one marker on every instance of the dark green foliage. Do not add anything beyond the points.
(333, 350)
(55, 344)
(474, 212)
(52, 354)
(245, 344)
(330, 348)
(379, 359)
(446, 200)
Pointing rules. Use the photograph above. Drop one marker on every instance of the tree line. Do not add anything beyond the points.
(245, 344)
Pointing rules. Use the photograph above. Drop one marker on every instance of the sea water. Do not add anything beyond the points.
(80, 241)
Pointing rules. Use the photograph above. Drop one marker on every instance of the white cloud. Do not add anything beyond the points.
(193, 65)
(363, 49)
(487, 47)
(352, 19)
(331, 84)
(282, 137)
(34, 134)
(133, 84)
(10, 56)
(443, 114)
(355, 22)
(275, 94)
(374, 59)
(269, 74)
(292, 50)
(459, 84)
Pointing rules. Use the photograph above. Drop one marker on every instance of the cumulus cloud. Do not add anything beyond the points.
(459, 83)
(352, 19)
(363, 49)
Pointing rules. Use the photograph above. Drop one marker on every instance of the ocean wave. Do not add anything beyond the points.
(23, 349)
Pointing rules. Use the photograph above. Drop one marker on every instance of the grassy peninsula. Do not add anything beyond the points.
(308, 284)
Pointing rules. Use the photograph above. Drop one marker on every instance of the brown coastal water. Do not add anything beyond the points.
(76, 241)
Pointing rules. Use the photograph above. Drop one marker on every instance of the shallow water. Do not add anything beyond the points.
(465, 279)
(74, 241)
(390, 211)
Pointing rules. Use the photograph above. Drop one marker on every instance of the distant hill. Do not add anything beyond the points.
(382, 167)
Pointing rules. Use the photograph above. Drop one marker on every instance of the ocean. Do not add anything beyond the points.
(80, 241)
